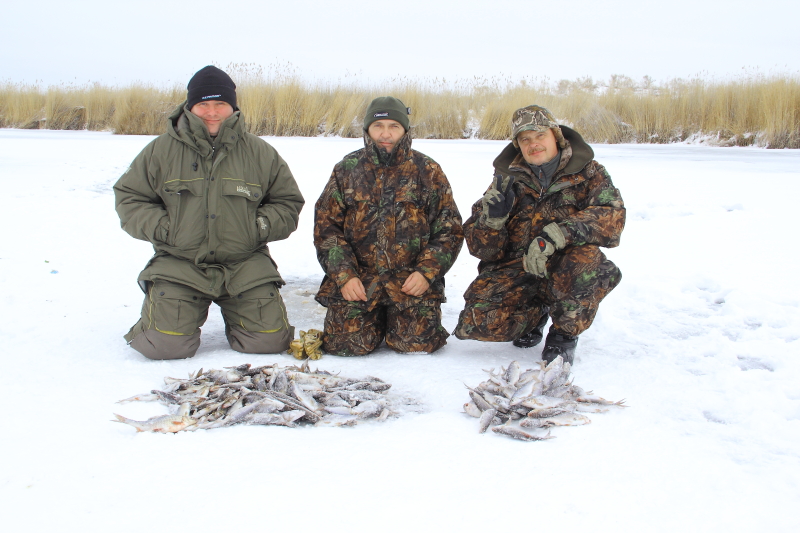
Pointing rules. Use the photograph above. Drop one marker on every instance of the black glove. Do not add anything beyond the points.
(499, 200)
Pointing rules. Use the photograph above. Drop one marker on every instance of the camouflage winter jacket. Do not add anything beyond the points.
(581, 199)
(209, 206)
(381, 222)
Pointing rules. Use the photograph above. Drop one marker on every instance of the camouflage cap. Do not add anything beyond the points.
(536, 118)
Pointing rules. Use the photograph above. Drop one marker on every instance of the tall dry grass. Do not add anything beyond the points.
(21, 105)
(439, 109)
(754, 109)
(283, 104)
(142, 109)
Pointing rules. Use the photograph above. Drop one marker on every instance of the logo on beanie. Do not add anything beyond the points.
(211, 96)
(384, 114)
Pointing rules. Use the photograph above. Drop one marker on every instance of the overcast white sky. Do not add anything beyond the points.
(164, 41)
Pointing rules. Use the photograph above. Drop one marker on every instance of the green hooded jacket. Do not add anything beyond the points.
(209, 206)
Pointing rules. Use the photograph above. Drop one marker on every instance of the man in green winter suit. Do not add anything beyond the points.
(209, 196)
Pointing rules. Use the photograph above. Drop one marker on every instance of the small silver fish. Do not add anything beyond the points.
(543, 402)
(356, 396)
(269, 405)
(516, 433)
(368, 409)
(167, 397)
(591, 398)
(147, 397)
(592, 408)
(523, 393)
(553, 371)
(339, 410)
(280, 382)
(221, 377)
(286, 418)
(304, 397)
(337, 421)
(512, 374)
(566, 419)
(480, 401)
(531, 423)
(335, 399)
(472, 410)
(486, 420)
(550, 411)
(158, 424)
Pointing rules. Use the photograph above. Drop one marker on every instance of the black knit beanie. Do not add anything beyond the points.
(211, 83)
(387, 107)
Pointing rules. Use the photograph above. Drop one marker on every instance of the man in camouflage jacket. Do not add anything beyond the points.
(538, 232)
(209, 196)
(386, 231)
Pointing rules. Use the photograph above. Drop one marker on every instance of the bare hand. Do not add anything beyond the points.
(354, 290)
(415, 285)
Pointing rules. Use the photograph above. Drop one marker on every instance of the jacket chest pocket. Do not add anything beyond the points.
(233, 188)
(411, 216)
(174, 190)
(184, 202)
(409, 196)
(356, 197)
(560, 206)
(523, 225)
(240, 202)
(362, 215)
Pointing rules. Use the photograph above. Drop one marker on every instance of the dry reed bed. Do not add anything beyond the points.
(755, 110)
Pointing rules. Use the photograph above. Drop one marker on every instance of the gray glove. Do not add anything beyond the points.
(498, 201)
(542, 247)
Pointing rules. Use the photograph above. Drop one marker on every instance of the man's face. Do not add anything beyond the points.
(385, 133)
(213, 113)
(537, 147)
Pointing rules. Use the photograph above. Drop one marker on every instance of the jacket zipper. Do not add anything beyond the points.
(208, 197)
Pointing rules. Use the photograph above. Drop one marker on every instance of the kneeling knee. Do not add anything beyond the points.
(259, 342)
(160, 346)
(348, 344)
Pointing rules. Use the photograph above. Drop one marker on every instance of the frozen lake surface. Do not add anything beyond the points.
(701, 338)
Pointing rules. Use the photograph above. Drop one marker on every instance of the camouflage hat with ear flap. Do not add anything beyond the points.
(536, 118)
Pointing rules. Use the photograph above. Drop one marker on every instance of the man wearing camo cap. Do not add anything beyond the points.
(538, 231)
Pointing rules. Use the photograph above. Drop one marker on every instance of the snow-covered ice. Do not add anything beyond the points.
(701, 338)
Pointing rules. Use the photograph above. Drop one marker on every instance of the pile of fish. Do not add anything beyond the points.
(264, 395)
(515, 402)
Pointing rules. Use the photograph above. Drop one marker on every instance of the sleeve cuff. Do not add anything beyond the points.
(493, 223)
(557, 234)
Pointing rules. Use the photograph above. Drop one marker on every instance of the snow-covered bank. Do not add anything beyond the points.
(701, 337)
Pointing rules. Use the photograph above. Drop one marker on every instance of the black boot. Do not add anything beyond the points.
(534, 336)
(559, 344)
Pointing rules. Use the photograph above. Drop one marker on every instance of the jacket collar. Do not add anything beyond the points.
(188, 128)
(401, 152)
